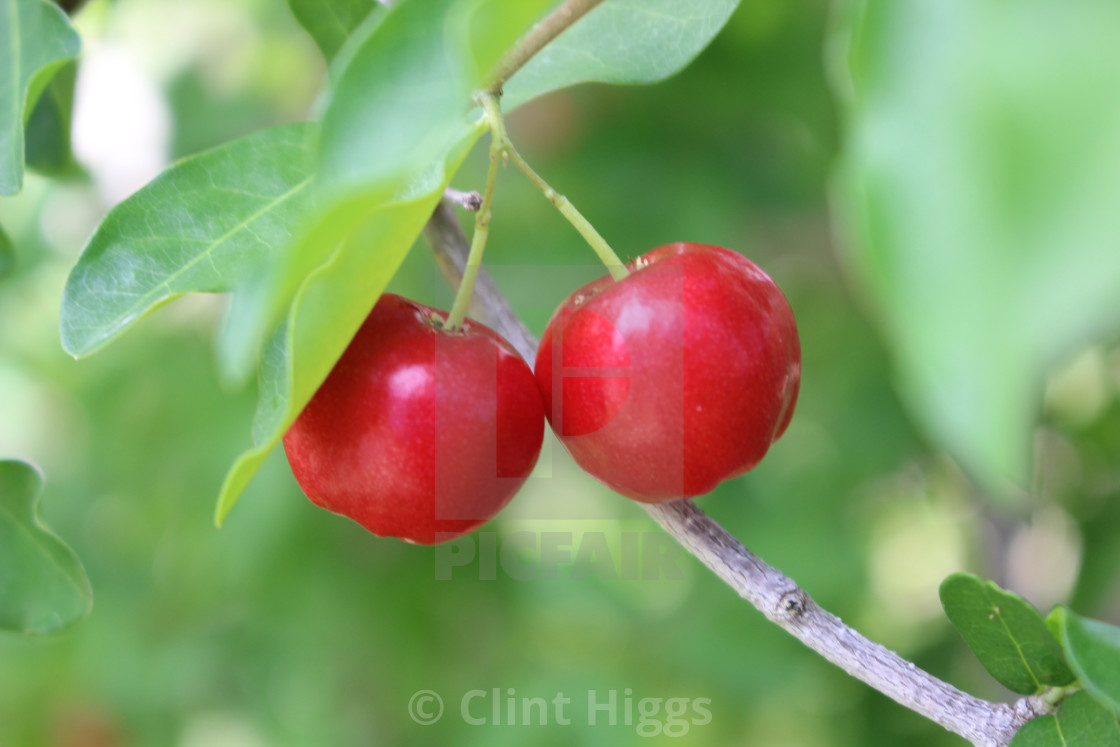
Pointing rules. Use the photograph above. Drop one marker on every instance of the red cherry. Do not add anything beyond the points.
(419, 433)
(675, 378)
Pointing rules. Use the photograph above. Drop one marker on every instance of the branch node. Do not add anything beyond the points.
(1031, 707)
(792, 605)
(471, 201)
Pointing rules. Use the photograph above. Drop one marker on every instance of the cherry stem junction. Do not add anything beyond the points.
(501, 141)
(502, 149)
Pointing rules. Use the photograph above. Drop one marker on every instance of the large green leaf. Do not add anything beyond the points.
(43, 587)
(1080, 722)
(622, 41)
(978, 192)
(47, 145)
(1093, 650)
(206, 224)
(35, 39)
(364, 242)
(1006, 633)
(403, 98)
(330, 22)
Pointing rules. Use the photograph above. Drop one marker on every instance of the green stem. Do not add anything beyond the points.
(614, 265)
(458, 311)
(537, 38)
(607, 256)
(1055, 695)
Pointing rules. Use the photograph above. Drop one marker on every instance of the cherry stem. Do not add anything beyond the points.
(458, 311)
(607, 256)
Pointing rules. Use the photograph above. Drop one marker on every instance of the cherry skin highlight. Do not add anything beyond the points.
(419, 433)
(667, 382)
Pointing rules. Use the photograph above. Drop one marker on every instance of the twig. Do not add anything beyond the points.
(539, 36)
(983, 723)
(449, 243)
(471, 201)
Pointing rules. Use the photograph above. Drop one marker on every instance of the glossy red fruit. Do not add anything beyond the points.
(679, 376)
(419, 433)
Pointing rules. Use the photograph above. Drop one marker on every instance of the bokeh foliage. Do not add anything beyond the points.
(291, 626)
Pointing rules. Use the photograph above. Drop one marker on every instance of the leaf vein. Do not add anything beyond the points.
(166, 284)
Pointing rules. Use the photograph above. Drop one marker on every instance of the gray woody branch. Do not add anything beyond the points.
(983, 723)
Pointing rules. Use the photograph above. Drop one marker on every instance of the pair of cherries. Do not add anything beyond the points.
(661, 385)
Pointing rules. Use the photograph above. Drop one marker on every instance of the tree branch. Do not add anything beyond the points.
(539, 36)
(981, 722)
(471, 201)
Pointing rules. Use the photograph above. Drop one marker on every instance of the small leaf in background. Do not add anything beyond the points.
(35, 39)
(622, 41)
(1006, 633)
(43, 587)
(978, 196)
(1100, 556)
(7, 253)
(48, 126)
(331, 303)
(205, 224)
(1093, 650)
(404, 98)
(1080, 722)
(330, 22)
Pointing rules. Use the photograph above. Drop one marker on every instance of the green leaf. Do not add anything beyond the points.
(43, 587)
(329, 308)
(364, 244)
(330, 22)
(978, 193)
(35, 39)
(1080, 722)
(405, 96)
(261, 303)
(205, 224)
(622, 41)
(1006, 633)
(1093, 650)
(48, 126)
(7, 253)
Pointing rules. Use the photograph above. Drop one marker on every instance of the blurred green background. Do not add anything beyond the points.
(290, 626)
